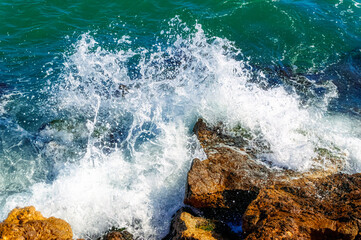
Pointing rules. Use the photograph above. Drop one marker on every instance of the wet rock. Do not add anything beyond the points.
(186, 225)
(27, 223)
(123, 89)
(324, 208)
(230, 177)
(117, 234)
(276, 203)
(62, 139)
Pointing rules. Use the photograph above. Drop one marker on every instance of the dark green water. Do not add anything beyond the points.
(302, 34)
(98, 99)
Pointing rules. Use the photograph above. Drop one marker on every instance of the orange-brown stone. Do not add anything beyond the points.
(277, 203)
(324, 208)
(117, 235)
(29, 224)
(229, 173)
(231, 176)
(188, 226)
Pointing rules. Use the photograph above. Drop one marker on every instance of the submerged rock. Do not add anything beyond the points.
(117, 234)
(27, 223)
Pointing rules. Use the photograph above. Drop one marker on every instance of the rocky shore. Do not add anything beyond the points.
(233, 195)
(231, 187)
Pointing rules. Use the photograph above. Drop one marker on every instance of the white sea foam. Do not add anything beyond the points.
(4, 102)
(141, 194)
(138, 140)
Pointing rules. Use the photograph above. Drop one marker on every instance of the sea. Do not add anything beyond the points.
(98, 99)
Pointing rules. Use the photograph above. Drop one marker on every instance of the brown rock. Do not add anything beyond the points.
(118, 235)
(277, 203)
(230, 177)
(324, 208)
(187, 226)
(190, 227)
(28, 224)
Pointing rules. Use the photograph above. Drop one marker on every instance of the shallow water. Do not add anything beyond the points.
(98, 100)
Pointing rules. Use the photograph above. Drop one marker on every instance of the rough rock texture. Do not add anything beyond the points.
(276, 203)
(28, 224)
(118, 235)
(230, 177)
(187, 226)
(325, 208)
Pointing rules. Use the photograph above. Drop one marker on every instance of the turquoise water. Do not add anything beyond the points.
(97, 100)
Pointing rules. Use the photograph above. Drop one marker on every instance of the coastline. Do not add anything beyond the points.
(233, 195)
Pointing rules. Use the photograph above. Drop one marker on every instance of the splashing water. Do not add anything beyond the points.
(121, 147)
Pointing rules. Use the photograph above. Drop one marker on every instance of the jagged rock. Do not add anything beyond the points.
(231, 177)
(27, 223)
(187, 226)
(276, 203)
(324, 208)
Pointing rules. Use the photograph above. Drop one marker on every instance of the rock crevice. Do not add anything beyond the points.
(273, 203)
